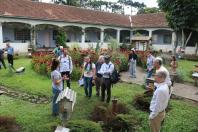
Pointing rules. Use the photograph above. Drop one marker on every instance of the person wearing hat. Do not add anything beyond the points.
(132, 63)
(106, 71)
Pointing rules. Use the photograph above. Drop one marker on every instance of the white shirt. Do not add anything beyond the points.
(159, 100)
(168, 79)
(150, 60)
(89, 72)
(66, 63)
(106, 70)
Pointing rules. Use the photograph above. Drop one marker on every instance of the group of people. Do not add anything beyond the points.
(98, 73)
(162, 85)
(10, 56)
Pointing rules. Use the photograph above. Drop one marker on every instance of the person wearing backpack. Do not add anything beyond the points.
(106, 70)
(57, 51)
(66, 67)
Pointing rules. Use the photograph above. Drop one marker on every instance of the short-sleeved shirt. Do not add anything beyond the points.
(55, 75)
(88, 71)
(10, 51)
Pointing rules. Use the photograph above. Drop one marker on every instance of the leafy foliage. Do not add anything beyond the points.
(148, 10)
(181, 14)
(83, 126)
(61, 38)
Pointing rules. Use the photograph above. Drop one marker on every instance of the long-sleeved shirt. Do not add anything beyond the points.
(106, 70)
(159, 100)
(66, 63)
(150, 61)
(168, 79)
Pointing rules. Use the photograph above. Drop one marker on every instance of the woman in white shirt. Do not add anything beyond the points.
(88, 74)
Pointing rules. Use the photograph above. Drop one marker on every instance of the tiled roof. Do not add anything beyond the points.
(153, 20)
(45, 11)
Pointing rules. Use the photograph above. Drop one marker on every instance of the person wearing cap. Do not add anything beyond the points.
(106, 71)
(57, 51)
(10, 54)
(66, 67)
(159, 67)
(159, 102)
(132, 63)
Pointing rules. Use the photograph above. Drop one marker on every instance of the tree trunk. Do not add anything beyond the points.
(196, 50)
(175, 44)
(189, 36)
(183, 38)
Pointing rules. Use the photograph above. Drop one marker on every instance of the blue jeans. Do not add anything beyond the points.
(132, 68)
(88, 86)
(55, 106)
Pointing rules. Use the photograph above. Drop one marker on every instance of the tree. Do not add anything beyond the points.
(148, 10)
(68, 2)
(182, 16)
(61, 38)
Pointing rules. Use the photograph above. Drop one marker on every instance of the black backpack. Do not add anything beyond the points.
(115, 77)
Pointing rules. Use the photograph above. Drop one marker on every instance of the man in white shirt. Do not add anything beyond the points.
(66, 66)
(159, 102)
(106, 70)
(159, 67)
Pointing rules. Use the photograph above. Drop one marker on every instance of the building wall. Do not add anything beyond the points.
(42, 38)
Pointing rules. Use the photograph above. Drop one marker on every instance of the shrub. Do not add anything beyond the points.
(76, 73)
(61, 38)
(113, 44)
(83, 126)
(124, 123)
(120, 61)
(42, 69)
(179, 77)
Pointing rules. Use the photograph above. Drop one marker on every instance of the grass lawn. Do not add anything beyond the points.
(185, 68)
(183, 116)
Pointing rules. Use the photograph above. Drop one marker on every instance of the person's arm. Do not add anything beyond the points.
(71, 65)
(101, 70)
(110, 70)
(160, 98)
(56, 79)
(94, 71)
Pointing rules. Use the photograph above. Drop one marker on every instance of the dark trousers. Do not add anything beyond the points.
(88, 86)
(10, 59)
(98, 82)
(67, 73)
(55, 106)
(3, 63)
(106, 86)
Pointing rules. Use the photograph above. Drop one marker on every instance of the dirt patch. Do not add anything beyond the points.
(8, 124)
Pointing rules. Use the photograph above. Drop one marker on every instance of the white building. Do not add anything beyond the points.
(24, 22)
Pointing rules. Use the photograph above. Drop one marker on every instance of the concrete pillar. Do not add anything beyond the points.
(173, 42)
(131, 35)
(83, 36)
(118, 36)
(150, 33)
(33, 36)
(102, 36)
(1, 34)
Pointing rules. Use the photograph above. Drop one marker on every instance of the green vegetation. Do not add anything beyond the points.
(183, 117)
(185, 68)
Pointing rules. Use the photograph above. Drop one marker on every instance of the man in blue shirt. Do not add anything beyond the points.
(10, 52)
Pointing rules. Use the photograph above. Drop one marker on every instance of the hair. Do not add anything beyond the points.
(173, 58)
(159, 60)
(88, 63)
(55, 63)
(161, 74)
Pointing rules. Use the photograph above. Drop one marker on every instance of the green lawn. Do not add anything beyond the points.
(185, 67)
(183, 116)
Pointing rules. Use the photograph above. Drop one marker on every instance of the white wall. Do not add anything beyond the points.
(18, 47)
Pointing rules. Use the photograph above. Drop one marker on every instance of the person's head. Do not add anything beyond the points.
(7, 44)
(65, 52)
(133, 51)
(149, 53)
(55, 64)
(57, 45)
(160, 76)
(107, 59)
(87, 59)
(173, 58)
(101, 59)
(157, 62)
